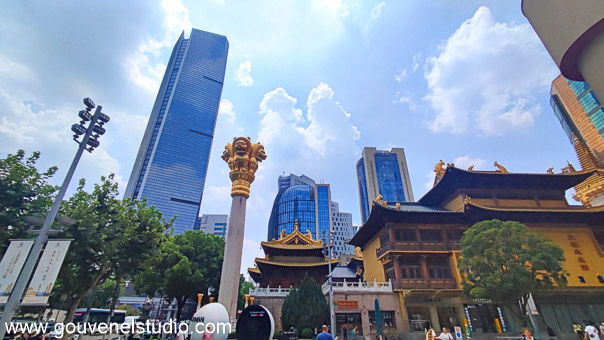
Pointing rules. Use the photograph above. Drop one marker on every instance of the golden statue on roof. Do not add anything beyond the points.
(501, 168)
(439, 168)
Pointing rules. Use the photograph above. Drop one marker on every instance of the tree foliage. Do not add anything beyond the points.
(188, 264)
(305, 307)
(111, 238)
(24, 191)
(504, 262)
(244, 288)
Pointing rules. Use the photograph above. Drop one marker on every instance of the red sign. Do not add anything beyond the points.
(348, 304)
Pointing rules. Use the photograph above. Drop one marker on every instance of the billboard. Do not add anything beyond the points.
(11, 266)
(46, 273)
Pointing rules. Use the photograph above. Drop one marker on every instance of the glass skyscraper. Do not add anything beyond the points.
(580, 113)
(172, 162)
(385, 173)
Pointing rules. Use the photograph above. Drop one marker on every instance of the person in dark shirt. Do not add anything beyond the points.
(325, 334)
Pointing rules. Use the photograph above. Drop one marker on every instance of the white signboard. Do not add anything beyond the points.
(11, 266)
(458, 335)
(46, 273)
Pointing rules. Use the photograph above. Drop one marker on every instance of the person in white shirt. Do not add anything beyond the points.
(445, 335)
(591, 332)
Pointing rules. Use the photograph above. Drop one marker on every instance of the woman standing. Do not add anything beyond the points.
(527, 335)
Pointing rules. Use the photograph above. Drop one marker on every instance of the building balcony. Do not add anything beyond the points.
(358, 287)
(417, 246)
(269, 292)
(425, 284)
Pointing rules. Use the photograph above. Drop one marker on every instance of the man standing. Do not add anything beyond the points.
(344, 332)
(591, 332)
(325, 334)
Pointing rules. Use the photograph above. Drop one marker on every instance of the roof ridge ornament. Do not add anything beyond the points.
(500, 168)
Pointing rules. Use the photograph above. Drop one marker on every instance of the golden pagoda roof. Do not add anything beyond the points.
(576, 209)
(295, 239)
(275, 245)
(254, 270)
(260, 260)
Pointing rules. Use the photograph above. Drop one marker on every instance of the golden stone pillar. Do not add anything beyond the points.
(242, 157)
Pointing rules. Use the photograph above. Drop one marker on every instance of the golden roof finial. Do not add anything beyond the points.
(282, 234)
(550, 170)
(398, 206)
(358, 252)
(467, 200)
(568, 169)
(381, 201)
(296, 225)
(439, 168)
(471, 167)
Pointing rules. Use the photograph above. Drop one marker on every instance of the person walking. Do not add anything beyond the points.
(355, 332)
(430, 333)
(591, 332)
(325, 334)
(344, 332)
(578, 330)
(445, 335)
(527, 335)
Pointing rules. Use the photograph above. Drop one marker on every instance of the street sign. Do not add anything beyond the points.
(458, 335)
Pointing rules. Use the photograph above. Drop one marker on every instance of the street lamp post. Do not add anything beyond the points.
(89, 142)
(330, 283)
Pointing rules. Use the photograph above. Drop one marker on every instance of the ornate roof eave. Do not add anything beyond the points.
(306, 238)
(455, 178)
(275, 245)
(262, 261)
(577, 210)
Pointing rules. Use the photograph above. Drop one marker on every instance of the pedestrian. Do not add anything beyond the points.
(355, 332)
(591, 332)
(527, 335)
(325, 334)
(430, 333)
(602, 328)
(578, 330)
(344, 332)
(445, 335)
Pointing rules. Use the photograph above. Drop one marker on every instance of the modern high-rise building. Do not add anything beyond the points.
(212, 224)
(310, 204)
(573, 33)
(291, 179)
(172, 162)
(343, 230)
(580, 113)
(382, 173)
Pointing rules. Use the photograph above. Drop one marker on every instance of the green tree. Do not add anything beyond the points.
(24, 191)
(244, 288)
(130, 310)
(111, 238)
(305, 307)
(504, 262)
(188, 264)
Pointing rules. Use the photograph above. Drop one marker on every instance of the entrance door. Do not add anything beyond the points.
(351, 320)
(447, 317)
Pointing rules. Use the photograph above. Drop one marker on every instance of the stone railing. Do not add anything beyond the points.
(425, 284)
(358, 286)
(268, 291)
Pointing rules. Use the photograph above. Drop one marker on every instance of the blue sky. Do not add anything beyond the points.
(314, 81)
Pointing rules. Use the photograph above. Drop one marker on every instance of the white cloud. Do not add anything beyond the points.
(406, 98)
(464, 162)
(226, 110)
(400, 76)
(335, 7)
(416, 60)
(485, 77)
(141, 70)
(377, 10)
(242, 74)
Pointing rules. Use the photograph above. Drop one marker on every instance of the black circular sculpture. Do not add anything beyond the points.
(255, 323)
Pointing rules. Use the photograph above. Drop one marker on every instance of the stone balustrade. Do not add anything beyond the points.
(358, 286)
(268, 291)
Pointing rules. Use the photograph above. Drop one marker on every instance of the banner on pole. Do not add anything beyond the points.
(46, 273)
(11, 266)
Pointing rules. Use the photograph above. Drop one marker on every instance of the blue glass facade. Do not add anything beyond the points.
(590, 103)
(565, 120)
(293, 203)
(363, 190)
(323, 215)
(389, 177)
(172, 161)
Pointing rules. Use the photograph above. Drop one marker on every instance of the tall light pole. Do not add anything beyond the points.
(332, 320)
(89, 142)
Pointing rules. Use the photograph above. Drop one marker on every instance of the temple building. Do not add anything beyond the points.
(289, 258)
(414, 248)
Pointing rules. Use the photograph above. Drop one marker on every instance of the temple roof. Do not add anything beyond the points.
(455, 178)
(264, 262)
(572, 214)
(294, 244)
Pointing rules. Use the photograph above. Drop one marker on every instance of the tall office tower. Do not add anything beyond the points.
(172, 162)
(382, 173)
(573, 33)
(343, 230)
(580, 113)
(212, 224)
(291, 179)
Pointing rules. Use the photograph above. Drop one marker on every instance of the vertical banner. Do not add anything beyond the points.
(11, 266)
(46, 273)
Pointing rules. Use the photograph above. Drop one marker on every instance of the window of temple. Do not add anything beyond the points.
(410, 268)
(438, 267)
(430, 235)
(405, 235)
